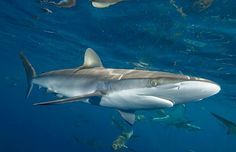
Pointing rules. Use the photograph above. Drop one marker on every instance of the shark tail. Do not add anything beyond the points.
(30, 73)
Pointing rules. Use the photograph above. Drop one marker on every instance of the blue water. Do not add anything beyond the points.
(142, 34)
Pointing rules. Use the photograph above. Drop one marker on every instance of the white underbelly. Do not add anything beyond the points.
(130, 100)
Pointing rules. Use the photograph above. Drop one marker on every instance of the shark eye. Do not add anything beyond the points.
(154, 83)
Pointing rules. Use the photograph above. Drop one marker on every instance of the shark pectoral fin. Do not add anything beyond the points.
(128, 116)
(156, 102)
(68, 100)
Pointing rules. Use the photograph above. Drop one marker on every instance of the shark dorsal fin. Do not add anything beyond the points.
(91, 59)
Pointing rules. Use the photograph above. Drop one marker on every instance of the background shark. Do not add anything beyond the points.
(121, 89)
(176, 117)
(231, 126)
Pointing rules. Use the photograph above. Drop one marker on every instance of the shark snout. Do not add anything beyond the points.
(188, 91)
(197, 90)
(211, 88)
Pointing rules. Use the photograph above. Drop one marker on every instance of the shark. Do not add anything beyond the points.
(126, 90)
(231, 126)
(174, 116)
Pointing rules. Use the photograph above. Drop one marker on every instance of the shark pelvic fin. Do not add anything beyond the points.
(128, 116)
(91, 59)
(30, 73)
(69, 100)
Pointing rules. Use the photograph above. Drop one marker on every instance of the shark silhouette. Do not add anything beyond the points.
(175, 116)
(231, 126)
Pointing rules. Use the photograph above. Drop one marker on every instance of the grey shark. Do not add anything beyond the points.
(122, 89)
(175, 116)
(231, 126)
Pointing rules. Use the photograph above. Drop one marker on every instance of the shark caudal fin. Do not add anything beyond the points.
(30, 73)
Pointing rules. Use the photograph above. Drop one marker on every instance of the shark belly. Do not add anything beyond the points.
(159, 97)
(132, 100)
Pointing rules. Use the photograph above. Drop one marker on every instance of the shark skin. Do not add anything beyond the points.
(231, 126)
(126, 90)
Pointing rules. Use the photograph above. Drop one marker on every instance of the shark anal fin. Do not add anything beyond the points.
(68, 100)
(128, 116)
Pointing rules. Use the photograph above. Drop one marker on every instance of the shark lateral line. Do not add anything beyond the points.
(122, 89)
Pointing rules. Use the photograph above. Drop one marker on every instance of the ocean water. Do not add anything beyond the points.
(142, 34)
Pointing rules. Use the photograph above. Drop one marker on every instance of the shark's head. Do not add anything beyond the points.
(139, 89)
(181, 89)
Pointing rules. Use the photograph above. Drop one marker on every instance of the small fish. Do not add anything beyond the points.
(139, 117)
(64, 3)
(46, 10)
(120, 141)
(179, 9)
(201, 5)
(104, 3)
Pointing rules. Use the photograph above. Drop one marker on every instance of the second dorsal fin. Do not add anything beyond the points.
(91, 59)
